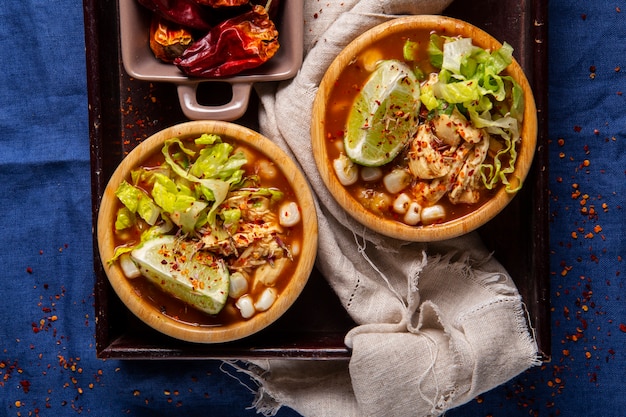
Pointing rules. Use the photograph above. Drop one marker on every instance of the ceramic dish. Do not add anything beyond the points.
(322, 116)
(139, 62)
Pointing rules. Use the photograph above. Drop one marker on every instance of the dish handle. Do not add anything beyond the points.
(234, 109)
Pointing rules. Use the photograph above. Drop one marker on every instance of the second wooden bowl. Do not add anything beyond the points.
(447, 229)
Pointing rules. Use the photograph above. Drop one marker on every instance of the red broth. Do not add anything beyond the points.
(292, 237)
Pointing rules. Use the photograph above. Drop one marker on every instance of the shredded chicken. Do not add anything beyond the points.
(465, 188)
(444, 126)
(431, 192)
(448, 151)
(426, 160)
(254, 240)
(464, 128)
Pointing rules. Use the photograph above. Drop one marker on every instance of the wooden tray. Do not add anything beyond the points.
(123, 111)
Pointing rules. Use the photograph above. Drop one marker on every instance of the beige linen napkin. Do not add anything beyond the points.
(437, 323)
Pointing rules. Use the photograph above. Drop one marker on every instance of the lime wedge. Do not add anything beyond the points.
(197, 278)
(383, 117)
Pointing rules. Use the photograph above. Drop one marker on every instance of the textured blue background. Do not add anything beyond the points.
(47, 356)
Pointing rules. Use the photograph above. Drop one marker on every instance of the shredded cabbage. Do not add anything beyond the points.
(125, 219)
(492, 173)
(186, 190)
(470, 79)
(212, 174)
(409, 51)
(136, 201)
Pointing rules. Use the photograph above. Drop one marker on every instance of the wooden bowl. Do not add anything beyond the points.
(397, 229)
(146, 310)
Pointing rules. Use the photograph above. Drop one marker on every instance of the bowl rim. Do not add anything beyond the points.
(396, 229)
(147, 312)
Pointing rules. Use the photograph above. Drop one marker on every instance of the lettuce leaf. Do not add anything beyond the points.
(410, 50)
(207, 139)
(212, 174)
(435, 52)
(231, 219)
(186, 190)
(469, 73)
(137, 201)
(427, 97)
(470, 79)
(153, 232)
(455, 53)
(491, 174)
(124, 219)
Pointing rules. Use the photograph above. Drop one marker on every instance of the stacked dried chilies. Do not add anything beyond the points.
(187, 13)
(213, 38)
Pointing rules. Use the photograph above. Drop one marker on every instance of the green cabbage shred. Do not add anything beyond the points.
(470, 79)
(187, 189)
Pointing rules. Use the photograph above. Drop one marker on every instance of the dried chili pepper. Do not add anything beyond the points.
(221, 10)
(271, 6)
(187, 13)
(222, 3)
(168, 40)
(242, 42)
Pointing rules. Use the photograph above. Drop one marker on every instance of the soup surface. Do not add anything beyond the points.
(413, 139)
(255, 231)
